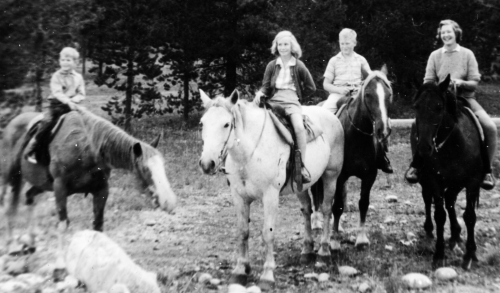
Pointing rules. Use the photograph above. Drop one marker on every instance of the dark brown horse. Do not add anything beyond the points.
(83, 152)
(366, 123)
(449, 145)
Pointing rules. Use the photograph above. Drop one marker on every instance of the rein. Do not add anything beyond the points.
(370, 115)
(225, 150)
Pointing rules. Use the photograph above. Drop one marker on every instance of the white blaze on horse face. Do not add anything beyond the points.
(166, 196)
(383, 110)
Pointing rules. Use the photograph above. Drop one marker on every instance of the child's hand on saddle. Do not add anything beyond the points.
(258, 97)
(344, 91)
(77, 99)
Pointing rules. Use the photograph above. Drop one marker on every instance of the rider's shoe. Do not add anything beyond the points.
(488, 182)
(31, 152)
(412, 175)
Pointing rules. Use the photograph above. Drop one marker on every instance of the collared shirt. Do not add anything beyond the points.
(460, 63)
(284, 80)
(66, 85)
(343, 71)
(457, 49)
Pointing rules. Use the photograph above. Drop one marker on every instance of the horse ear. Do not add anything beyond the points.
(234, 97)
(207, 102)
(384, 70)
(443, 86)
(155, 142)
(137, 149)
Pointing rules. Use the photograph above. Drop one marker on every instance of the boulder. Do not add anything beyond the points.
(98, 262)
(445, 274)
(347, 271)
(416, 281)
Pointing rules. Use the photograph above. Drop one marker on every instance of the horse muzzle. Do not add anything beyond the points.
(425, 149)
(207, 166)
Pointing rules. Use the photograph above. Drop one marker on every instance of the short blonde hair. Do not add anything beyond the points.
(70, 52)
(348, 33)
(296, 50)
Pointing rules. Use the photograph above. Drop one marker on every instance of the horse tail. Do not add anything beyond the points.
(317, 193)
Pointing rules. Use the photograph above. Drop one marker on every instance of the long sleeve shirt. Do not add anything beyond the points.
(66, 85)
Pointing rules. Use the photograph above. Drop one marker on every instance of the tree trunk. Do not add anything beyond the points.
(128, 92)
(84, 57)
(38, 83)
(232, 55)
(185, 81)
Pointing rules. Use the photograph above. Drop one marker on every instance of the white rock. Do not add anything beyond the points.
(347, 271)
(215, 282)
(13, 286)
(445, 274)
(99, 263)
(49, 290)
(416, 281)
(253, 289)
(411, 236)
(204, 278)
(388, 247)
(71, 281)
(237, 288)
(61, 286)
(389, 220)
(119, 288)
(371, 207)
(31, 280)
(323, 277)
(391, 198)
(150, 222)
(495, 196)
(311, 276)
(407, 202)
(364, 287)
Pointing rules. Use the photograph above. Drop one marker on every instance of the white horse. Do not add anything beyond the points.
(256, 169)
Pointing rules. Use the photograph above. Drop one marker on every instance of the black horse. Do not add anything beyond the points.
(449, 146)
(366, 128)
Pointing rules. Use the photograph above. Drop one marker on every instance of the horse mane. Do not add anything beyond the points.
(109, 142)
(374, 74)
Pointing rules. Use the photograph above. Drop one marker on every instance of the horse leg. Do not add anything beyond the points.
(329, 186)
(427, 196)
(366, 185)
(307, 256)
(450, 197)
(317, 195)
(242, 270)
(440, 218)
(28, 241)
(99, 202)
(472, 195)
(60, 193)
(270, 202)
(338, 209)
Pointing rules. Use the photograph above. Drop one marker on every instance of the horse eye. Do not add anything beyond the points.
(226, 125)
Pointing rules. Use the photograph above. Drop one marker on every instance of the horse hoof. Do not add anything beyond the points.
(307, 258)
(59, 275)
(362, 246)
(238, 279)
(266, 285)
(324, 260)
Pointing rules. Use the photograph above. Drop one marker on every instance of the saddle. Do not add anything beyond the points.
(468, 111)
(285, 128)
(42, 153)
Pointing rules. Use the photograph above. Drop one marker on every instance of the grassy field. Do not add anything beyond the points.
(201, 236)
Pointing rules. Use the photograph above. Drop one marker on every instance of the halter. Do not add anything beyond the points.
(225, 150)
(370, 115)
(440, 145)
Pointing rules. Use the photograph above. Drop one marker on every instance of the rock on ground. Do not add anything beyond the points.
(416, 281)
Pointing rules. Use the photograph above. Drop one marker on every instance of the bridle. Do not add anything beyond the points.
(225, 150)
(437, 147)
(370, 115)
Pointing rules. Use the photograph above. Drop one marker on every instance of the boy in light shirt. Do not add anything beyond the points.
(67, 89)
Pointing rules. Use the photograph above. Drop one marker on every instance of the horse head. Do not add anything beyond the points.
(377, 97)
(150, 168)
(217, 129)
(432, 103)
